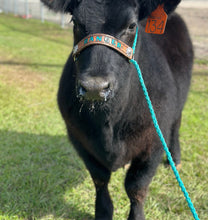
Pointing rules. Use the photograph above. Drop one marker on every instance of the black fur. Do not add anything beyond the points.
(109, 134)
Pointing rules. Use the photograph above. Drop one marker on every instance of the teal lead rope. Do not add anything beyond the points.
(159, 132)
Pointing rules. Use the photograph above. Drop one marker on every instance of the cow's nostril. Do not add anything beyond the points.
(82, 91)
(105, 94)
(105, 86)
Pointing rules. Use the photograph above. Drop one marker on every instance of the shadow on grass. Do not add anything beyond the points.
(13, 63)
(36, 174)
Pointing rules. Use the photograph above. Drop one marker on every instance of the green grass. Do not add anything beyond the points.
(41, 176)
(201, 61)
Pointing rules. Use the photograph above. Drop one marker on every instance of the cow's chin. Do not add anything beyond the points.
(94, 105)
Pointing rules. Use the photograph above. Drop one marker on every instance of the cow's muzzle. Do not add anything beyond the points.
(94, 89)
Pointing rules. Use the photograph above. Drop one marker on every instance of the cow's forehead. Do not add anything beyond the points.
(95, 13)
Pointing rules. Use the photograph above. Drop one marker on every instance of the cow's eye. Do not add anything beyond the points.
(132, 26)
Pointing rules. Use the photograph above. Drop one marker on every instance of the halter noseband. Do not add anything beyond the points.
(106, 40)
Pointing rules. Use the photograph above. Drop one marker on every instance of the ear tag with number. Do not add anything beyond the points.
(156, 22)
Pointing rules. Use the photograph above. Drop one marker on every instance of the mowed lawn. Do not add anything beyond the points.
(41, 177)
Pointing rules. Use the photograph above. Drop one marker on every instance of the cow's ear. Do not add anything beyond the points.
(146, 7)
(65, 6)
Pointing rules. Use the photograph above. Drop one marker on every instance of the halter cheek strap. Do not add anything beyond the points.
(105, 40)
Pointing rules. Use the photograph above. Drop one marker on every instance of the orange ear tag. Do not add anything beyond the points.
(156, 22)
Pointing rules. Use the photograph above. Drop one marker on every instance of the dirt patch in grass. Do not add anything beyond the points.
(200, 68)
(15, 74)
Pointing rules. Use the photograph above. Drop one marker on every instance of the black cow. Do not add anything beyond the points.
(102, 102)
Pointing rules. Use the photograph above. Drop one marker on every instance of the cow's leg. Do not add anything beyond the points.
(174, 143)
(137, 180)
(101, 177)
(103, 204)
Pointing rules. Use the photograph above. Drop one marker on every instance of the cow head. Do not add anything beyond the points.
(102, 72)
